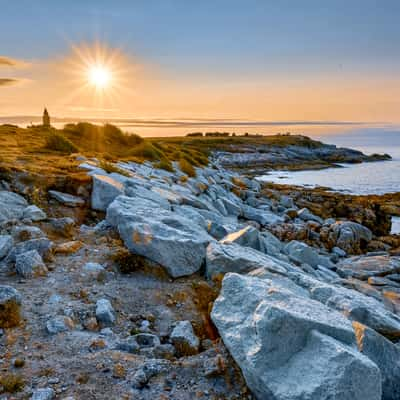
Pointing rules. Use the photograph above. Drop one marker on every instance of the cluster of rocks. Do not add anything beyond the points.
(301, 321)
(302, 152)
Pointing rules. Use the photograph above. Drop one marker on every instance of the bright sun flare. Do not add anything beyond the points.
(99, 76)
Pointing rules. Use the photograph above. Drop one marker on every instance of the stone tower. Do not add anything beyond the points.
(46, 118)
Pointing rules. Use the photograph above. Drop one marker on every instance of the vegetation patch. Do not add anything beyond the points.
(57, 142)
(10, 315)
(11, 383)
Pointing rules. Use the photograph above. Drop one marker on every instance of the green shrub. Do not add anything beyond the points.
(187, 168)
(147, 151)
(165, 164)
(57, 142)
(11, 383)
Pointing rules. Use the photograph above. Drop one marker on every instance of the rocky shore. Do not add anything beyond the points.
(150, 284)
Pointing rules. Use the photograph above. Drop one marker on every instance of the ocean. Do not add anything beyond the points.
(366, 178)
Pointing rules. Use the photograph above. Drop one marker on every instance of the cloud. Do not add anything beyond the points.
(8, 81)
(12, 62)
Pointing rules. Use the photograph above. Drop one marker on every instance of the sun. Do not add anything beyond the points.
(100, 76)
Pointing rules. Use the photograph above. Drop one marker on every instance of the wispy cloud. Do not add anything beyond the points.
(9, 81)
(12, 62)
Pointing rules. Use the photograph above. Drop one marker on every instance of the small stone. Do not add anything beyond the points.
(59, 324)
(34, 213)
(104, 312)
(66, 199)
(184, 339)
(94, 270)
(91, 324)
(68, 247)
(43, 394)
(30, 264)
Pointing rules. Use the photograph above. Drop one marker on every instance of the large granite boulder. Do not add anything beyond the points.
(347, 235)
(222, 258)
(357, 307)
(105, 190)
(165, 237)
(385, 355)
(364, 267)
(12, 206)
(290, 347)
(301, 253)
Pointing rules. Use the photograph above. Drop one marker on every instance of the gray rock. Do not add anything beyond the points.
(338, 251)
(349, 236)
(63, 226)
(42, 245)
(286, 201)
(94, 270)
(263, 217)
(385, 355)
(357, 307)
(270, 244)
(302, 253)
(289, 346)
(58, 324)
(66, 198)
(184, 339)
(222, 258)
(30, 264)
(248, 236)
(26, 232)
(12, 206)
(34, 213)
(43, 394)
(144, 193)
(306, 215)
(231, 207)
(165, 237)
(364, 267)
(105, 313)
(6, 243)
(105, 190)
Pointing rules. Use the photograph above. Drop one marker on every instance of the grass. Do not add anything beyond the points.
(187, 168)
(10, 315)
(11, 383)
(110, 167)
(58, 142)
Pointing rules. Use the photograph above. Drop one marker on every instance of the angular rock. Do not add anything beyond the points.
(58, 324)
(147, 194)
(263, 217)
(384, 354)
(105, 313)
(63, 226)
(34, 213)
(248, 236)
(306, 215)
(26, 232)
(184, 339)
(105, 190)
(12, 206)
(10, 303)
(94, 270)
(30, 264)
(6, 243)
(169, 239)
(364, 267)
(222, 258)
(42, 245)
(273, 334)
(270, 244)
(302, 253)
(43, 394)
(66, 198)
(349, 236)
(357, 307)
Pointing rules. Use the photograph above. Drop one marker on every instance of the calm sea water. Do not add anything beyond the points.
(367, 178)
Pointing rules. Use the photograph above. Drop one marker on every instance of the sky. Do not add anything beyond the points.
(230, 63)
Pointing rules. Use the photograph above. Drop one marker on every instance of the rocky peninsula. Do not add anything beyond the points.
(128, 277)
